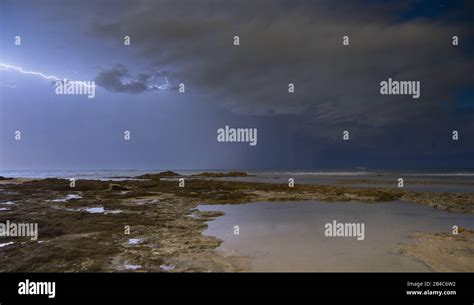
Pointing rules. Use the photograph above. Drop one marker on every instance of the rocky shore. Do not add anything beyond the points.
(149, 223)
(443, 252)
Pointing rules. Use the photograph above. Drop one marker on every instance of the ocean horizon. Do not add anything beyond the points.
(111, 173)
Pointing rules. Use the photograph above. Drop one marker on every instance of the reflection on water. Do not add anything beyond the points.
(289, 236)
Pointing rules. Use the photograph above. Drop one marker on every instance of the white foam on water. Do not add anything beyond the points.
(8, 203)
(342, 173)
(442, 174)
(5, 209)
(6, 244)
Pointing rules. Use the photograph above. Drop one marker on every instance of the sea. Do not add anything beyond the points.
(418, 180)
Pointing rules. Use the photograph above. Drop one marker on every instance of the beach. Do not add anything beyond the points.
(148, 223)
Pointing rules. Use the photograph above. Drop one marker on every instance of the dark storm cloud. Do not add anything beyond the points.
(118, 79)
(337, 87)
(301, 42)
(112, 80)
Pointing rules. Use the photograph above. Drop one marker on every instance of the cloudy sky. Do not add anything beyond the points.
(337, 87)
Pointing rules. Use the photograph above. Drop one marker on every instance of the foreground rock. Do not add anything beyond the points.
(167, 174)
(117, 187)
(443, 252)
(72, 239)
(454, 202)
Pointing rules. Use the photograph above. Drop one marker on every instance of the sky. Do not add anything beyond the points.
(337, 86)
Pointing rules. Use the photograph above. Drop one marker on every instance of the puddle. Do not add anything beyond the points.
(290, 236)
(95, 210)
(132, 267)
(134, 241)
(167, 267)
(67, 198)
(113, 212)
(101, 210)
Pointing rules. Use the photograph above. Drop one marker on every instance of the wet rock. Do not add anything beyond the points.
(156, 211)
(222, 175)
(165, 174)
(117, 187)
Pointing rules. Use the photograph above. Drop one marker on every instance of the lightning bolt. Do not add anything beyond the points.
(158, 87)
(48, 77)
(152, 85)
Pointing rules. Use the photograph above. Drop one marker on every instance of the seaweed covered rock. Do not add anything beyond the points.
(221, 175)
(159, 175)
(117, 187)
